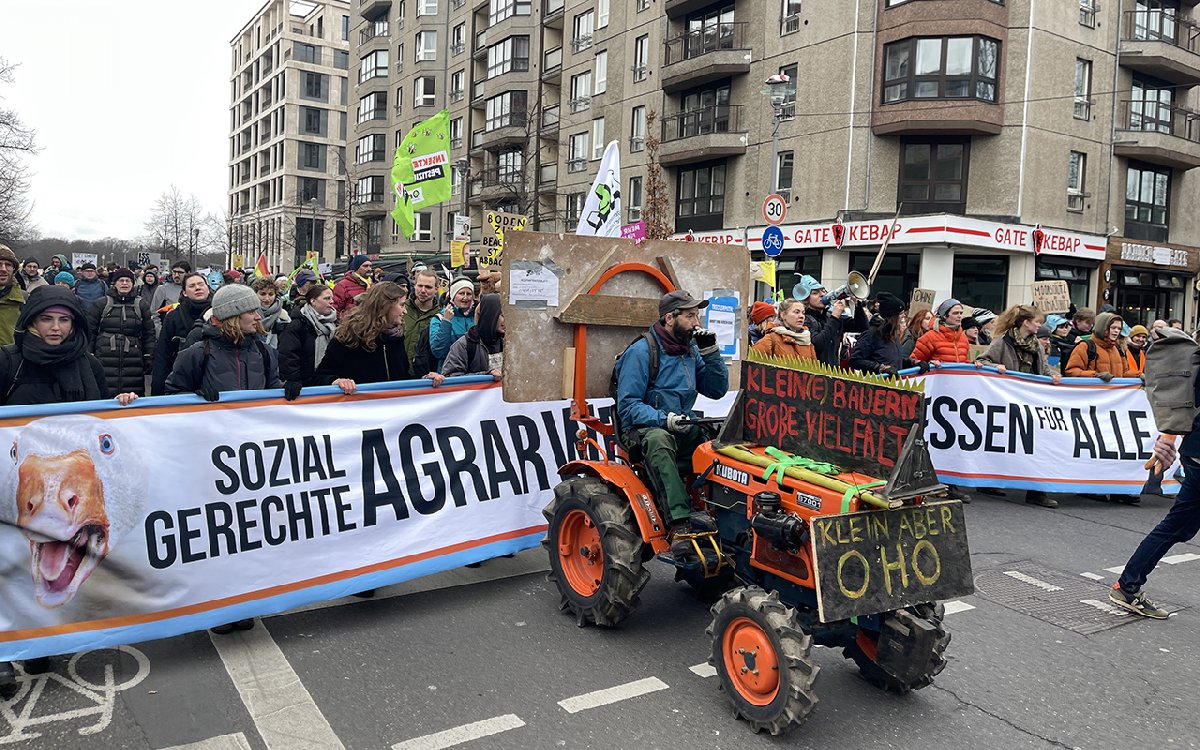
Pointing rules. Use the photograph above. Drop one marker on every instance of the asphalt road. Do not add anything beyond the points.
(485, 653)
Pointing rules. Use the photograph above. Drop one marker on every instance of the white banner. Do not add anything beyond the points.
(173, 515)
(990, 430)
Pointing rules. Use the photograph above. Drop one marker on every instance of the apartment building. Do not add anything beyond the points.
(287, 139)
(1017, 141)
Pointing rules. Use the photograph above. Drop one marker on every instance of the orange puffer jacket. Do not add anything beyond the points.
(780, 342)
(1109, 358)
(946, 345)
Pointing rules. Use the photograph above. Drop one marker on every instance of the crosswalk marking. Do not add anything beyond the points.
(606, 696)
(1092, 576)
(1023, 578)
(464, 733)
(1185, 557)
(1118, 570)
(953, 608)
(703, 670)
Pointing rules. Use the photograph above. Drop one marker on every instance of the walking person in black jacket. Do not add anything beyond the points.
(176, 326)
(122, 334)
(303, 344)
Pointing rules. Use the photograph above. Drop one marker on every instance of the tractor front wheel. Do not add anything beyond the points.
(762, 659)
(863, 652)
(595, 551)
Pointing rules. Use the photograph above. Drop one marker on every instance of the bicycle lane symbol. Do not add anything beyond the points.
(772, 241)
(102, 697)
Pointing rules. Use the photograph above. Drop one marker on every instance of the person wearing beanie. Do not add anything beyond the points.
(1135, 351)
(88, 286)
(878, 349)
(987, 321)
(481, 350)
(970, 329)
(301, 283)
(176, 325)
(1043, 337)
(454, 321)
(122, 334)
(356, 282)
(149, 284)
(12, 299)
(30, 277)
(946, 343)
(1104, 355)
(761, 313)
(64, 279)
(787, 336)
(57, 263)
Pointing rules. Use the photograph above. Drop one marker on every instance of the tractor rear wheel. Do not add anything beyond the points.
(862, 651)
(762, 659)
(595, 551)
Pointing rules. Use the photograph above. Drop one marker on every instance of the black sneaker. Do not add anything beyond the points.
(1037, 497)
(1136, 603)
(225, 629)
(40, 665)
(1130, 499)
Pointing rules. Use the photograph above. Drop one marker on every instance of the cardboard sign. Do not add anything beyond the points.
(78, 259)
(975, 351)
(854, 422)
(883, 560)
(1051, 296)
(495, 224)
(921, 299)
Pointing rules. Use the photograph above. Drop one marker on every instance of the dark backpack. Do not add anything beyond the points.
(652, 345)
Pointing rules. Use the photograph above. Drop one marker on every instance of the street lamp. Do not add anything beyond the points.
(778, 87)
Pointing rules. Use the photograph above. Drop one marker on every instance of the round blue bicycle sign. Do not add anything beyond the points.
(772, 241)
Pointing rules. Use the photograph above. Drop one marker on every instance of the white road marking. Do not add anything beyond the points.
(224, 742)
(464, 733)
(953, 608)
(1023, 578)
(1112, 609)
(1176, 559)
(282, 709)
(704, 670)
(606, 696)
(1118, 570)
(1092, 576)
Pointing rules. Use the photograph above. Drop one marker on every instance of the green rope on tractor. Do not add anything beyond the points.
(807, 475)
(784, 460)
(856, 489)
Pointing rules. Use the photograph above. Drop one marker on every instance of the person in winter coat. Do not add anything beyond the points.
(122, 334)
(1060, 343)
(878, 349)
(12, 299)
(918, 324)
(356, 281)
(945, 344)
(301, 283)
(368, 345)
(419, 313)
(788, 337)
(30, 276)
(150, 284)
(987, 326)
(169, 291)
(176, 326)
(274, 317)
(1083, 323)
(763, 315)
(304, 341)
(970, 329)
(824, 321)
(1105, 357)
(1135, 351)
(454, 320)
(58, 263)
(481, 350)
(64, 279)
(88, 286)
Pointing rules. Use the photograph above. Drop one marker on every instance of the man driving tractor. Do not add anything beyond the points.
(655, 395)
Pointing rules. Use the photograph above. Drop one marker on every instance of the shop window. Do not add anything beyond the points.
(1078, 278)
(1142, 296)
(933, 175)
(899, 273)
(980, 280)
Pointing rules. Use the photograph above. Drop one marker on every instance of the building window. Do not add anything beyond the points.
(374, 227)
(1147, 196)
(426, 45)
(1083, 89)
(312, 156)
(789, 21)
(369, 189)
(583, 31)
(422, 227)
(634, 202)
(373, 106)
(601, 69)
(575, 207)
(703, 112)
(345, 28)
(700, 198)
(370, 148)
(341, 59)
(601, 13)
(316, 86)
(510, 166)
(457, 83)
(933, 175)
(310, 188)
(642, 5)
(641, 58)
(427, 8)
(1151, 105)
(787, 110)
(308, 53)
(637, 129)
(981, 279)
(598, 138)
(1078, 277)
(577, 152)
(505, 110)
(511, 54)
(783, 171)
(899, 273)
(502, 9)
(1156, 20)
(1087, 13)
(962, 67)
(456, 133)
(458, 39)
(424, 92)
(373, 65)
(1076, 176)
(314, 121)
(581, 91)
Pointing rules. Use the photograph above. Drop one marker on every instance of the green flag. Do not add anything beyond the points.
(421, 169)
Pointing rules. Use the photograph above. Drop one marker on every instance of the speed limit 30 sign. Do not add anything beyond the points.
(774, 209)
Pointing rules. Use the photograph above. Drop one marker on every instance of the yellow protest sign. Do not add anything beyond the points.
(458, 253)
(764, 271)
(495, 224)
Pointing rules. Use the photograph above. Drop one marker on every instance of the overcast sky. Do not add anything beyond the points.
(127, 97)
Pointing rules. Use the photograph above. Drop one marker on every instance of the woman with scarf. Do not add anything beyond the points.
(1135, 351)
(176, 326)
(122, 334)
(150, 284)
(1104, 355)
(274, 317)
(787, 337)
(454, 320)
(303, 344)
(481, 350)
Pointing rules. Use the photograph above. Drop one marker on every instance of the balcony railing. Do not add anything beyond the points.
(693, 44)
(379, 113)
(372, 31)
(457, 48)
(578, 164)
(581, 42)
(716, 118)
(457, 95)
(580, 103)
(1162, 26)
(493, 177)
(1150, 116)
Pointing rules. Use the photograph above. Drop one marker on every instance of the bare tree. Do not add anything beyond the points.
(657, 211)
(16, 142)
(177, 225)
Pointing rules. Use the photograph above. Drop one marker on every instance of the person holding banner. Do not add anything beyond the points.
(918, 325)
(878, 350)
(274, 317)
(946, 343)
(1101, 356)
(303, 344)
(787, 337)
(176, 326)
(454, 321)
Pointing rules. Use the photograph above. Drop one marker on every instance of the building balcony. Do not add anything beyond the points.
(702, 134)
(704, 55)
(506, 130)
(367, 204)
(479, 51)
(553, 12)
(497, 185)
(372, 9)
(938, 117)
(552, 65)
(477, 91)
(1158, 134)
(677, 8)
(550, 122)
(1160, 44)
(548, 178)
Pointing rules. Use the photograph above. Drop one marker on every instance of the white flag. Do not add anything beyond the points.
(602, 210)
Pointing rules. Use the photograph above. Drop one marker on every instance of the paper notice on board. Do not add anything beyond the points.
(532, 285)
(721, 319)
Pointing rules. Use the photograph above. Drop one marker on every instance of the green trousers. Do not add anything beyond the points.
(668, 458)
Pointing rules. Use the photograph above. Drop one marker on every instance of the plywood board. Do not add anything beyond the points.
(537, 341)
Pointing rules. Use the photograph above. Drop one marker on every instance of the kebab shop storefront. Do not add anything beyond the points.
(988, 264)
(1149, 281)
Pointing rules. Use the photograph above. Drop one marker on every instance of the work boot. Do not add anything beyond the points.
(993, 491)
(1136, 603)
(702, 521)
(225, 629)
(247, 624)
(681, 549)
(1037, 497)
(1130, 499)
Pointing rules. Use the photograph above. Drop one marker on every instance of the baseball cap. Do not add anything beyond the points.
(679, 300)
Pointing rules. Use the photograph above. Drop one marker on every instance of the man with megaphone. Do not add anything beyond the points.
(824, 313)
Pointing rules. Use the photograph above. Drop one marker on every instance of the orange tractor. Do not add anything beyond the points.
(803, 551)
